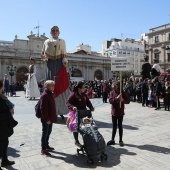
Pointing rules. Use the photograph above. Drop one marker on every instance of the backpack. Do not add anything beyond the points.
(37, 110)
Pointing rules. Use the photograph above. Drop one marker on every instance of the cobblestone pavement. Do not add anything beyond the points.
(146, 138)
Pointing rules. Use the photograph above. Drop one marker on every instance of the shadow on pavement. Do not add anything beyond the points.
(128, 127)
(81, 160)
(115, 154)
(13, 152)
(33, 100)
(152, 148)
(109, 125)
(10, 168)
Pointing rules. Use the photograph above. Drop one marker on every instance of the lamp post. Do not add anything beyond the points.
(71, 70)
(11, 71)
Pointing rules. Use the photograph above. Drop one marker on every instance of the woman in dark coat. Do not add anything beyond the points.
(78, 100)
(166, 95)
(6, 127)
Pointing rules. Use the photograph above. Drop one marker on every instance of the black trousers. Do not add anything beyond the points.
(105, 95)
(134, 96)
(145, 99)
(117, 122)
(3, 149)
(99, 93)
(138, 93)
(75, 134)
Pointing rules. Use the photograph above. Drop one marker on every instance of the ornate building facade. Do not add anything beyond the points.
(129, 48)
(159, 45)
(17, 53)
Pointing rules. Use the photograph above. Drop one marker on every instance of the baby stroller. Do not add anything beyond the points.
(94, 143)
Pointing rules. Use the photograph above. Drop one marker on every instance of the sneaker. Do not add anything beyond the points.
(7, 163)
(49, 148)
(45, 152)
(121, 143)
(77, 143)
(111, 142)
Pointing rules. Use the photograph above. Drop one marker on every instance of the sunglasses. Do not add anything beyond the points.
(55, 30)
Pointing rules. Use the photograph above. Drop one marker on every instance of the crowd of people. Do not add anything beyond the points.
(10, 88)
(148, 92)
(150, 87)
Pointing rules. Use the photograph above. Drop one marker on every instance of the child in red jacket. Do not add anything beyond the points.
(117, 111)
(48, 116)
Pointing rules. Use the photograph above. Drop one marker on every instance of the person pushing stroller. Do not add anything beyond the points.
(78, 100)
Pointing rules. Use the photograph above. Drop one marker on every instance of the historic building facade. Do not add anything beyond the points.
(159, 45)
(130, 48)
(82, 65)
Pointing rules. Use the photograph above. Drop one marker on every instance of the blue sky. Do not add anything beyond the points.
(82, 21)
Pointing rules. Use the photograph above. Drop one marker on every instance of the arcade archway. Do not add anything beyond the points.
(77, 73)
(20, 74)
(98, 75)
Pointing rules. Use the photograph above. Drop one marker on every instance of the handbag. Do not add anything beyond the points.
(71, 121)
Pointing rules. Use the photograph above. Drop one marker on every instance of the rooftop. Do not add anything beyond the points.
(160, 28)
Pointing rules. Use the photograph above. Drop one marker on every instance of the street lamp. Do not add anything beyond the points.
(11, 71)
(72, 70)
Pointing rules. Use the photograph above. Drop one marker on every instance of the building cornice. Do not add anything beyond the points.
(158, 32)
(160, 43)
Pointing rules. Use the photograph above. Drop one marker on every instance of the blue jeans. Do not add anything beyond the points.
(46, 131)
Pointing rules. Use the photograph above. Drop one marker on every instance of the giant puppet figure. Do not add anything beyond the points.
(54, 54)
(32, 90)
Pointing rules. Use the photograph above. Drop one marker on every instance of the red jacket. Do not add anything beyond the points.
(79, 101)
(48, 107)
(105, 87)
(116, 110)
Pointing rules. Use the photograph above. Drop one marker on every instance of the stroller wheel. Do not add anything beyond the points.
(101, 158)
(104, 156)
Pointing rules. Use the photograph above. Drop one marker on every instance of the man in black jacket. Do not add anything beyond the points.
(6, 128)
(144, 91)
(158, 90)
(146, 68)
